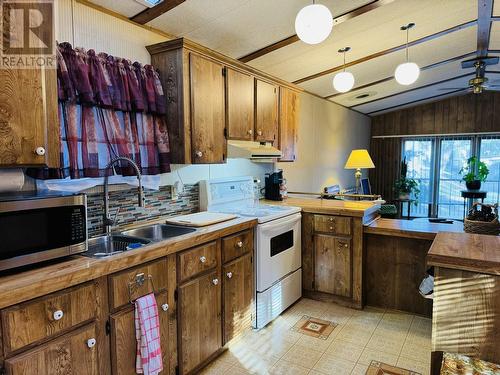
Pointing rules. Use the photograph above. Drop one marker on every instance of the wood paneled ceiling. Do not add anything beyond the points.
(446, 32)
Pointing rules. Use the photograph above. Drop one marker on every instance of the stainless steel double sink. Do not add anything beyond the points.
(116, 243)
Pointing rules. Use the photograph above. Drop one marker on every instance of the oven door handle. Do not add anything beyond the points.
(292, 219)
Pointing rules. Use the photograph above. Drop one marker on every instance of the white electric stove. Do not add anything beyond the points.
(278, 272)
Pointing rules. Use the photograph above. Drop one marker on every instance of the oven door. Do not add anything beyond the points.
(278, 250)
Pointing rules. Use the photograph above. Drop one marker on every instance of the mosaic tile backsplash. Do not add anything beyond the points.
(123, 204)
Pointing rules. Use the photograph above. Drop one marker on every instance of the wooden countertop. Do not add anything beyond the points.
(329, 206)
(465, 251)
(21, 286)
(411, 228)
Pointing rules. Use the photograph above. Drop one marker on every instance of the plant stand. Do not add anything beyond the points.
(400, 203)
(470, 196)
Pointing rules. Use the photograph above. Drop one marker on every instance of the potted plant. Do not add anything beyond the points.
(474, 172)
(405, 186)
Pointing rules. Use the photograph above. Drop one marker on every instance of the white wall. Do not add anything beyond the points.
(327, 134)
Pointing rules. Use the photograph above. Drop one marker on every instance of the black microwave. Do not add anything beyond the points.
(40, 227)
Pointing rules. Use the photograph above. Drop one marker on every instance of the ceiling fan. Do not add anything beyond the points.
(479, 83)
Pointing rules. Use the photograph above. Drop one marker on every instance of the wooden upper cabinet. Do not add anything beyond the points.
(289, 122)
(333, 263)
(266, 111)
(240, 105)
(207, 110)
(29, 125)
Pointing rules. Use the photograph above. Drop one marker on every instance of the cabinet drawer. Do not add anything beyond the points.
(128, 285)
(339, 225)
(73, 353)
(47, 316)
(199, 259)
(236, 245)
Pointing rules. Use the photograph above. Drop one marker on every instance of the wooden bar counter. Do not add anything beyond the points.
(395, 262)
(466, 311)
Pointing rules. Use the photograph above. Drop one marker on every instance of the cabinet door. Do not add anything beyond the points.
(240, 105)
(207, 110)
(73, 354)
(289, 122)
(266, 111)
(238, 296)
(332, 265)
(123, 342)
(29, 125)
(199, 320)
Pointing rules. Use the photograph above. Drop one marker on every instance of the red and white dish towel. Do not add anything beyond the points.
(147, 333)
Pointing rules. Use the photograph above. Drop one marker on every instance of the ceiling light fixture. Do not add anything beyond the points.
(408, 72)
(313, 23)
(343, 81)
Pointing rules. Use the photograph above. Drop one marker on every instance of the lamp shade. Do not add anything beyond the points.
(359, 159)
(314, 23)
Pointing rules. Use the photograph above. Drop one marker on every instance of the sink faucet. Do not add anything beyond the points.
(107, 221)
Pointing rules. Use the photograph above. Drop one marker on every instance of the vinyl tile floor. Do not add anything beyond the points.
(392, 337)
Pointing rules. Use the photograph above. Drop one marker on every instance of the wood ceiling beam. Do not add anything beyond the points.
(414, 89)
(151, 13)
(416, 101)
(389, 50)
(294, 38)
(424, 68)
(484, 15)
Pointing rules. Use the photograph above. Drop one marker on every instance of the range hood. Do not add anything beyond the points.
(256, 151)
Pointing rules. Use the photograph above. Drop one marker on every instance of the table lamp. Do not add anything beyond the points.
(357, 160)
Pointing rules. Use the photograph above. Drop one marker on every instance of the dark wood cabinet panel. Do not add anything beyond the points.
(29, 125)
(207, 110)
(288, 123)
(338, 225)
(200, 325)
(237, 245)
(333, 262)
(240, 105)
(308, 251)
(238, 296)
(74, 353)
(266, 111)
(123, 341)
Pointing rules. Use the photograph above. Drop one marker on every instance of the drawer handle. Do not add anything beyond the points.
(164, 307)
(229, 275)
(215, 281)
(58, 315)
(91, 343)
(239, 244)
(203, 259)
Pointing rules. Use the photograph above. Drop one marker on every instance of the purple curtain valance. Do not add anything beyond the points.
(106, 81)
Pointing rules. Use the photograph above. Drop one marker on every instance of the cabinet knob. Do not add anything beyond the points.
(239, 244)
(215, 281)
(229, 275)
(164, 307)
(331, 219)
(40, 151)
(203, 259)
(259, 132)
(345, 245)
(331, 228)
(199, 154)
(91, 342)
(58, 315)
(250, 131)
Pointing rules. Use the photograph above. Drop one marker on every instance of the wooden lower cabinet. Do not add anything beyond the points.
(333, 264)
(123, 341)
(74, 353)
(200, 328)
(238, 296)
